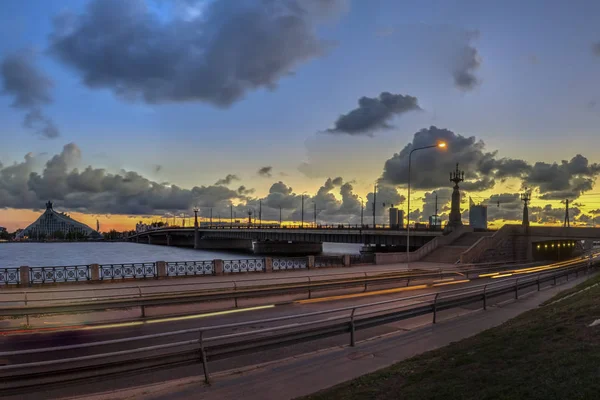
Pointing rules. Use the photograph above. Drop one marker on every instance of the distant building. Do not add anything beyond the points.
(396, 218)
(477, 215)
(2, 229)
(435, 221)
(55, 225)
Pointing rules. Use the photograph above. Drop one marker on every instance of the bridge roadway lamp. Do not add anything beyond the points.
(439, 145)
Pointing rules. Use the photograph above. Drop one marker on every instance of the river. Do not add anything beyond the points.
(54, 254)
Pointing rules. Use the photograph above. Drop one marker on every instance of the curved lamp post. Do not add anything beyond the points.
(441, 145)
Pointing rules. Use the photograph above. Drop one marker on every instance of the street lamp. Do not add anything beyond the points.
(362, 209)
(302, 218)
(441, 145)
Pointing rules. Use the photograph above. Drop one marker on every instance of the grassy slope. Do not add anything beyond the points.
(548, 353)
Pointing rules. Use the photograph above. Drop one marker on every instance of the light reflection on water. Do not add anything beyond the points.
(49, 254)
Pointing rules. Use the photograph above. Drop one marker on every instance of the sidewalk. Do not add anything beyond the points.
(226, 281)
(303, 375)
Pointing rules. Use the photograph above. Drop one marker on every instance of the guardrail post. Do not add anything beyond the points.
(204, 361)
(485, 297)
(24, 275)
(352, 329)
(218, 266)
(310, 262)
(235, 299)
(366, 282)
(26, 316)
(346, 260)
(95, 272)
(435, 308)
(268, 264)
(161, 269)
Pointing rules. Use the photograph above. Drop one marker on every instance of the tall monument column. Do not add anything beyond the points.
(526, 198)
(455, 219)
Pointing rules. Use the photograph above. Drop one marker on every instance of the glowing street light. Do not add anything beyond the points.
(440, 145)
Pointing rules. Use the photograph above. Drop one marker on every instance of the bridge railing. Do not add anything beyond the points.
(128, 271)
(285, 263)
(190, 268)
(367, 258)
(59, 274)
(329, 261)
(10, 276)
(305, 226)
(244, 265)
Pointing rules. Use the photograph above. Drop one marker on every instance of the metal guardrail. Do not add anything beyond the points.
(287, 263)
(9, 276)
(248, 265)
(329, 261)
(209, 348)
(187, 268)
(72, 273)
(127, 271)
(367, 258)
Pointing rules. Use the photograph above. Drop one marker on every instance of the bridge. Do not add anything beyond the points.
(279, 239)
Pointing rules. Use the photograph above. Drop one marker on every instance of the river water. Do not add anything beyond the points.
(54, 254)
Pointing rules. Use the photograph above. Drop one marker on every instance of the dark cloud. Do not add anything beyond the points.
(266, 171)
(550, 215)
(466, 63)
(444, 196)
(215, 57)
(244, 191)
(505, 206)
(569, 179)
(94, 190)
(30, 89)
(374, 113)
(227, 180)
(430, 168)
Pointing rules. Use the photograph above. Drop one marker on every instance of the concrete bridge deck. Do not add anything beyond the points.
(342, 234)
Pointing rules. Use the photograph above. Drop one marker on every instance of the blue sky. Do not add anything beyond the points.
(537, 78)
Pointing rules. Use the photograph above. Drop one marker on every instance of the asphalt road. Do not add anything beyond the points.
(116, 331)
(25, 341)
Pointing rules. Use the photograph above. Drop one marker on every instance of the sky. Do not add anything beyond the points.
(129, 110)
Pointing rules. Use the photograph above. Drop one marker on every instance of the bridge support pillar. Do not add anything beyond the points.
(311, 262)
(168, 240)
(24, 275)
(95, 272)
(161, 269)
(196, 238)
(137, 239)
(218, 266)
(149, 239)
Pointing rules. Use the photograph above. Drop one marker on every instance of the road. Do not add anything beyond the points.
(106, 332)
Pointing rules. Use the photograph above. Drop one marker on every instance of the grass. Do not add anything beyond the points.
(547, 353)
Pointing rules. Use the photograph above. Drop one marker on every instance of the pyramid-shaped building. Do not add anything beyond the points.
(52, 224)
